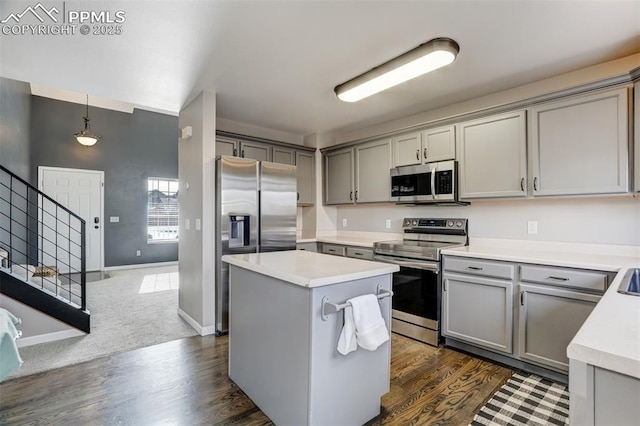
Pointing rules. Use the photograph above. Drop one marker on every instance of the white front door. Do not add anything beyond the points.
(80, 191)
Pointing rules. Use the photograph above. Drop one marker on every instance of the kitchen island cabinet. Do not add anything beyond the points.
(283, 336)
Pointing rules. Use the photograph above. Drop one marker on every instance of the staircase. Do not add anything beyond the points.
(42, 252)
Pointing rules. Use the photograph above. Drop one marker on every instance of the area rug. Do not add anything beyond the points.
(130, 310)
(526, 400)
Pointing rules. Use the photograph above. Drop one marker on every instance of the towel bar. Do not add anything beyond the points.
(331, 308)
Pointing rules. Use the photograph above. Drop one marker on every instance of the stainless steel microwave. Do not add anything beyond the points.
(426, 183)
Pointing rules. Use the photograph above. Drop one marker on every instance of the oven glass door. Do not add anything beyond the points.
(415, 291)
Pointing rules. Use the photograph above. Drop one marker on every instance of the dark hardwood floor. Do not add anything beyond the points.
(185, 382)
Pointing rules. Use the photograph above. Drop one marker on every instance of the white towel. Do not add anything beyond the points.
(363, 323)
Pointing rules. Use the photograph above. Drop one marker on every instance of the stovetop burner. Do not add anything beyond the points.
(425, 238)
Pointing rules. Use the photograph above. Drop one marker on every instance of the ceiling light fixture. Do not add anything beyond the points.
(86, 137)
(425, 58)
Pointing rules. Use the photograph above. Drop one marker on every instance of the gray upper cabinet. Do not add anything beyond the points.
(237, 148)
(580, 145)
(255, 150)
(437, 144)
(636, 91)
(372, 165)
(283, 155)
(226, 146)
(549, 319)
(338, 177)
(407, 149)
(306, 173)
(492, 156)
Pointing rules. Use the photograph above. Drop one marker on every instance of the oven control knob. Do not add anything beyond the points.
(414, 223)
(458, 224)
(450, 223)
(407, 222)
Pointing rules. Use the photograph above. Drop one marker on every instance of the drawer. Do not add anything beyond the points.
(563, 277)
(483, 268)
(334, 249)
(360, 253)
(307, 247)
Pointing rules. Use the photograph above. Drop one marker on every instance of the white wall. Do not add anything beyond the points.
(257, 131)
(606, 220)
(196, 247)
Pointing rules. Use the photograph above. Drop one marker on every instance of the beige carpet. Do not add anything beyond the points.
(131, 309)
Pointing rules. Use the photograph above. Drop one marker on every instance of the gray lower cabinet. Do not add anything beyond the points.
(478, 310)
(602, 397)
(492, 156)
(307, 247)
(306, 177)
(549, 317)
(580, 145)
(360, 253)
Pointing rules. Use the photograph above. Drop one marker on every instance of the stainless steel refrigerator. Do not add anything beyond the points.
(255, 212)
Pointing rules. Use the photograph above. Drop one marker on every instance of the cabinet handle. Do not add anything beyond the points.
(535, 183)
(522, 298)
(522, 184)
(417, 154)
(235, 152)
(425, 153)
(558, 278)
(242, 153)
(475, 268)
(298, 199)
(444, 285)
(356, 195)
(357, 253)
(351, 195)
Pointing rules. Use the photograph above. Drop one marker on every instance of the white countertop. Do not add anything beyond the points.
(350, 238)
(610, 337)
(309, 269)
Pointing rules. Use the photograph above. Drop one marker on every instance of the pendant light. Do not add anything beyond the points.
(425, 58)
(86, 137)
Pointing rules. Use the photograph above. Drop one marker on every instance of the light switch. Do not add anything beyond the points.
(532, 227)
(197, 224)
(344, 223)
(387, 223)
(114, 219)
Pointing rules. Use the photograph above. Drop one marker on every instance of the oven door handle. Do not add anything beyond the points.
(426, 266)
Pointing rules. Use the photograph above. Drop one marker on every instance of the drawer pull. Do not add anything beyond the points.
(475, 268)
(522, 298)
(558, 278)
(332, 251)
(357, 253)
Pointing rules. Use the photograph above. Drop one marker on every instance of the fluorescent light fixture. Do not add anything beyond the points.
(85, 136)
(425, 58)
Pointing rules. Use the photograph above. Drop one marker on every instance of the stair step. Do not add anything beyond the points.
(45, 301)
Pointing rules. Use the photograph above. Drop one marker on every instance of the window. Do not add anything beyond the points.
(162, 210)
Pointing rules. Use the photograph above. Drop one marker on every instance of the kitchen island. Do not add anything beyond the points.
(285, 322)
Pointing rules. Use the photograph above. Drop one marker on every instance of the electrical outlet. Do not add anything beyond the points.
(387, 223)
(344, 223)
(532, 227)
(137, 252)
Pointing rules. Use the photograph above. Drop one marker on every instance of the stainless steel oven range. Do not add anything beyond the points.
(417, 287)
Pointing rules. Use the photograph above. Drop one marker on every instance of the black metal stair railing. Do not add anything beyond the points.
(39, 235)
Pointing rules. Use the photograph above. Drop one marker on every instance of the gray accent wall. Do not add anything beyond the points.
(133, 148)
(15, 112)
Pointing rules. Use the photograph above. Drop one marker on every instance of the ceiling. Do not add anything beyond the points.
(274, 64)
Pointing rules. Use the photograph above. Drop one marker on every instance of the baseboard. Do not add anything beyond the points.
(203, 331)
(139, 266)
(49, 337)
